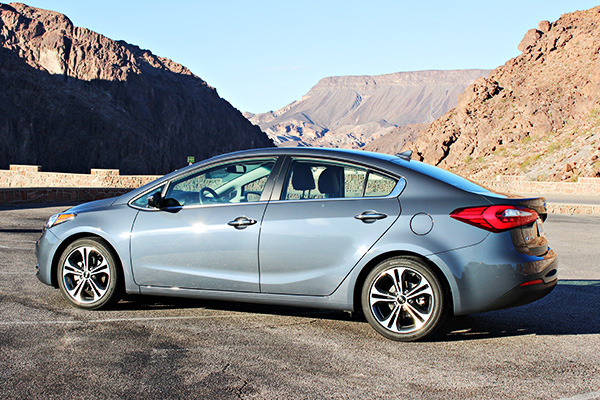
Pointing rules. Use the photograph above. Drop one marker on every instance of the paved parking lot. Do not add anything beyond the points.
(172, 348)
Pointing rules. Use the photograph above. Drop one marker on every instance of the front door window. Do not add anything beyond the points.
(238, 182)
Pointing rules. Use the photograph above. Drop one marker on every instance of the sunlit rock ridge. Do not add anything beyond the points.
(538, 115)
(350, 111)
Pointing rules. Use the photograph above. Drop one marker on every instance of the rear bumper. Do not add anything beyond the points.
(522, 295)
(479, 286)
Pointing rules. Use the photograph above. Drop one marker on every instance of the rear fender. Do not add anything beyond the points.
(352, 284)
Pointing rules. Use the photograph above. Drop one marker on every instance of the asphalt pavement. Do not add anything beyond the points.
(147, 348)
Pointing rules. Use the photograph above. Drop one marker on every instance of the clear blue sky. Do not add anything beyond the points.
(262, 55)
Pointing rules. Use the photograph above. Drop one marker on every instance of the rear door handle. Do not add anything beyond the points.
(370, 216)
(241, 222)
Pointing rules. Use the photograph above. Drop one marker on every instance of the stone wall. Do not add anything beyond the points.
(57, 195)
(28, 176)
(563, 208)
(520, 185)
(29, 184)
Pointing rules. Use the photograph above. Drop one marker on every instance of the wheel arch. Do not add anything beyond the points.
(82, 235)
(400, 253)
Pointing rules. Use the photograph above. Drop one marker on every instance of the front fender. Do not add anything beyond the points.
(116, 223)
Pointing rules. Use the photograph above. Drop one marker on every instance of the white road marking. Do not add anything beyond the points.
(586, 396)
(138, 319)
(108, 320)
(16, 248)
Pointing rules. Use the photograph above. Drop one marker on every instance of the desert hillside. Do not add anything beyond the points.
(350, 111)
(72, 99)
(537, 115)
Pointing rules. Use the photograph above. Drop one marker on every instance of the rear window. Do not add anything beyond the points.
(379, 185)
(446, 176)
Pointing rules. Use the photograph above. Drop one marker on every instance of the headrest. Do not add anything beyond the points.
(329, 182)
(302, 177)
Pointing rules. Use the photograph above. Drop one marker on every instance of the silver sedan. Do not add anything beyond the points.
(404, 242)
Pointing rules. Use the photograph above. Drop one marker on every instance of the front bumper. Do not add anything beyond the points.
(45, 248)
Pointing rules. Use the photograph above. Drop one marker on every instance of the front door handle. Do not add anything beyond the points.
(241, 222)
(370, 216)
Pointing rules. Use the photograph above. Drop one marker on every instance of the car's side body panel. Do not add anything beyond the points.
(327, 241)
(195, 248)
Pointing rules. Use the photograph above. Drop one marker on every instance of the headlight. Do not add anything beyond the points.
(57, 219)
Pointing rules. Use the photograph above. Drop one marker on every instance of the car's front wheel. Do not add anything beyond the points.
(88, 276)
(403, 299)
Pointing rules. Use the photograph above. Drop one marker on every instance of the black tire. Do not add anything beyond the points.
(403, 299)
(88, 274)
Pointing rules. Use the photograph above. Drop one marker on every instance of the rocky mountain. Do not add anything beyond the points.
(350, 111)
(72, 99)
(537, 115)
(397, 139)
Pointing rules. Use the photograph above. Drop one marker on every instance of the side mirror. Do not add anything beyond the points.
(154, 200)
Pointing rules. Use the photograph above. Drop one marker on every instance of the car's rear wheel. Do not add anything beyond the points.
(88, 276)
(403, 299)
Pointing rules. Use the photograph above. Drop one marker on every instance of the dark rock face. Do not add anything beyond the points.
(72, 99)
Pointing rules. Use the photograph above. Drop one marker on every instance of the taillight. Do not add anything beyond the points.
(534, 282)
(495, 218)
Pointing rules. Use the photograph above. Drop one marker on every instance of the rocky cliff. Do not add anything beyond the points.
(537, 115)
(350, 111)
(72, 99)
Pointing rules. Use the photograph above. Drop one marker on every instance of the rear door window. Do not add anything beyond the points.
(319, 179)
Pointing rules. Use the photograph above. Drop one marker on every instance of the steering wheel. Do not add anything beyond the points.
(202, 196)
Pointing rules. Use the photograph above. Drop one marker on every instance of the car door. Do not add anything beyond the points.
(327, 217)
(205, 235)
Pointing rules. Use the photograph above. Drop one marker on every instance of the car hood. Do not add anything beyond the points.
(93, 205)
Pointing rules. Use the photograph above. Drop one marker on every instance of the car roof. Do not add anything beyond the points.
(386, 161)
(311, 151)
(401, 166)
